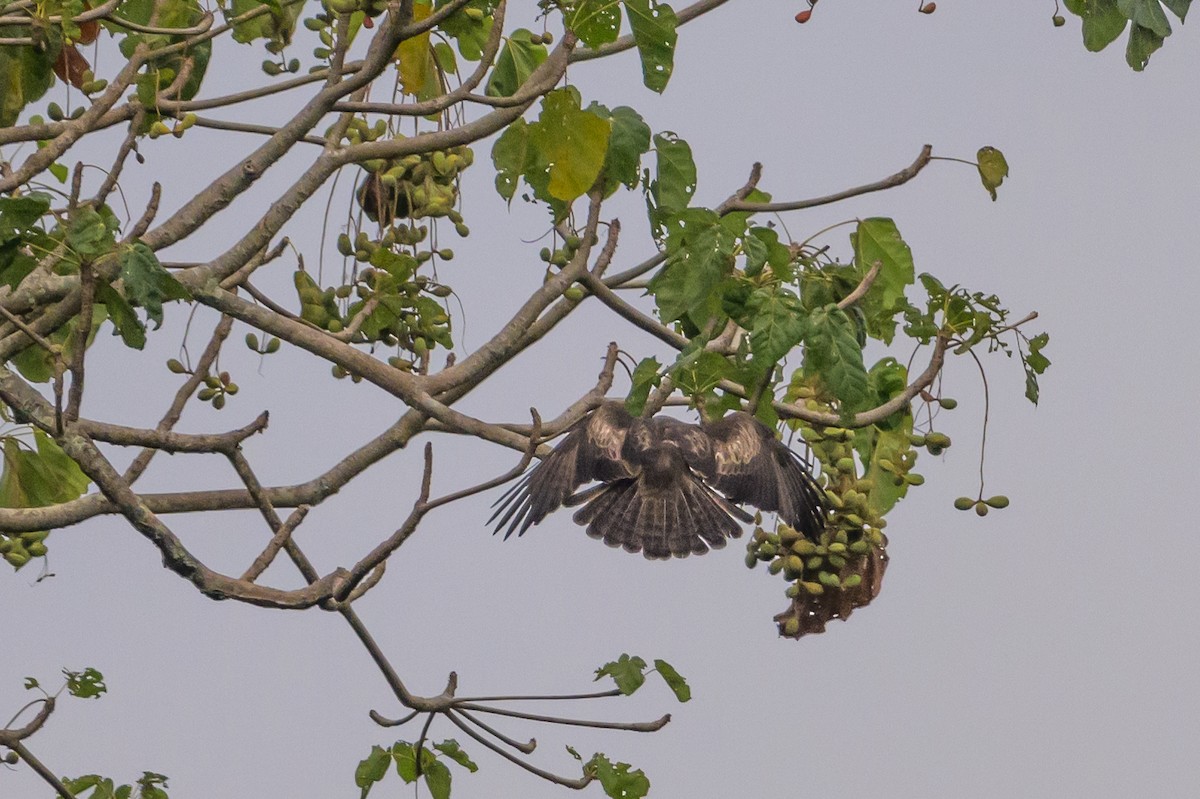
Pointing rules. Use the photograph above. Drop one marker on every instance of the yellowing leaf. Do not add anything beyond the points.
(993, 169)
(572, 143)
(413, 56)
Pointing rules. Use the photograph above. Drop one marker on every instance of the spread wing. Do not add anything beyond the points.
(684, 518)
(591, 451)
(748, 464)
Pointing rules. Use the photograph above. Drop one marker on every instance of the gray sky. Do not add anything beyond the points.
(1046, 650)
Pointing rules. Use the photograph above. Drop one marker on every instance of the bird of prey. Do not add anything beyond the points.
(666, 488)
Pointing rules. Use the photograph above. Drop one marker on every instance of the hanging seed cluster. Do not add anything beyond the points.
(385, 299)
(843, 569)
(19, 548)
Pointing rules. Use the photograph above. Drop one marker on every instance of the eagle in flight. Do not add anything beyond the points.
(666, 488)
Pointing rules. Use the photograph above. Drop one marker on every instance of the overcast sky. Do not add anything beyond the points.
(1047, 650)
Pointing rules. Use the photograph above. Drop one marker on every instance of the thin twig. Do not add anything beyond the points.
(83, 329)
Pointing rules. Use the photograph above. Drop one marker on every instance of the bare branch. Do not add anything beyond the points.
(185, 392)
(862, 288)
(632, 726)
(900, 178)
(577, 784)
(535, 435)
(168, 441)
(42, 770)
(526, 748)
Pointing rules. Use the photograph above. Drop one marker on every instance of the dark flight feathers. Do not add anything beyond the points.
(667, 488)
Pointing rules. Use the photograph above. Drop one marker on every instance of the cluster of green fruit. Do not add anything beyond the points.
(981, 505)
(842, 570)
(216, 387)
(267, 346)
(372, 8)
(810, 567)
(403, 310)
(279, 67)
(416, 186)
(159, 128)
(559, 257)
(19, 548)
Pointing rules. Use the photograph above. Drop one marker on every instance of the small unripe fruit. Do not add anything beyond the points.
(1058, 20)
(981, 508)
(998, 502)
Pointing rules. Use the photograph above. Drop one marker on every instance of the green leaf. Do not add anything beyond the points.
(1178, 7)
(450, 749)
(31, 683)
(653, 25)
(832, 350)
(874, 241)
(147, 283)
(646, 375)
(617, 780)
(120, 312)
(41, 477)
(150, 785)
(629, 673)
(886, 441)
(777, 323)
(595, 22)
(38, 365)
(698, 372)
(86, 684)
(1103, 22)
(437, 779)
(471, 35)
(674, 680)
(629, 141)
(993, 169)
(756, 252)
(88, 234)
(516, 62)
(101, 787)
(700, 256)
(675, 178)
(25, 70)
(571, 142)
(1035, 363)
(779, 257)
(509, 155)
(405, 755)
(277, 25)
(19, 214)
(443, 54)
(1142, 44)
(1147, 14)
(372, 769)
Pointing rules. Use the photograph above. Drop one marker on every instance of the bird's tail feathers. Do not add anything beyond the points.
(660, 525)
